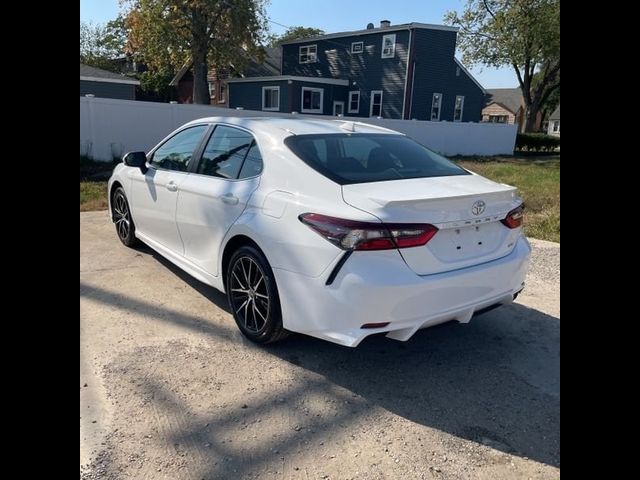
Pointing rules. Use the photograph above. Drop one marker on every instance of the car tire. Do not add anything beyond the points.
(253, 296)
(125, 228)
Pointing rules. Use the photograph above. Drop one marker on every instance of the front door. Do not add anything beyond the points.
(375, 109)
(154, 194)
(338, 108)
(213, 197)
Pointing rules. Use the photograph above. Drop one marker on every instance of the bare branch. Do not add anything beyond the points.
(486, 6)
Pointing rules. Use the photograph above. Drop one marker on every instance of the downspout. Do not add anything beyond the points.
(290, 85)
(408, 86)
(413, 75)
(406, 75)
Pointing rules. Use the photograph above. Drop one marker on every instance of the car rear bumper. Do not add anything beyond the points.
(376, 287)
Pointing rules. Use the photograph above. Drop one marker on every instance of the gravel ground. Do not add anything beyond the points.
(169, 389)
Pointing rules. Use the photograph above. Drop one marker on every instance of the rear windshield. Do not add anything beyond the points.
(361, 157)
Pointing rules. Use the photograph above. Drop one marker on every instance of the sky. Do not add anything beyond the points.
(338, 16)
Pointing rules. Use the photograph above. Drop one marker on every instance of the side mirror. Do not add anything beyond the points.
(136, 159)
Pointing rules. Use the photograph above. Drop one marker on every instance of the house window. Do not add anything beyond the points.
(457, 110)
(556, 126)
(308, 54)
(497, 119)
(376, 104)
(222, 93)
(271, 99)
(389, 45)
(354, 101)
(212, 90)
(436, 102)
(357, 47)
(312, 100)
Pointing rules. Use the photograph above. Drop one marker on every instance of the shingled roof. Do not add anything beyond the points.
(509, 98)
(270, 66)
(97, 75)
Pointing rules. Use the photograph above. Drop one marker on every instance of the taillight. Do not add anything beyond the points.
(353, 235)
(514, 217)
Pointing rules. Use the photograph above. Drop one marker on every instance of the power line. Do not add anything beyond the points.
(279, 24)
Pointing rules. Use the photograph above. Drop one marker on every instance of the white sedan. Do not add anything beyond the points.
(334, 229)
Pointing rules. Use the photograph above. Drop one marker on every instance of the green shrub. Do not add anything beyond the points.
(537, 142)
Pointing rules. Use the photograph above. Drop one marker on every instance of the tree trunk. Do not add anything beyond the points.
(531, 116)
(200, 84)
(199, 53)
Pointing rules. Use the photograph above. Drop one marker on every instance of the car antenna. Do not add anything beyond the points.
(351, 126)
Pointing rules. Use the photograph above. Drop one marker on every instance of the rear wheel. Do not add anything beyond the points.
(125, 227)
(253, 296)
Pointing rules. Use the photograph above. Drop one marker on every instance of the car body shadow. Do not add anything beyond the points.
(494, 381)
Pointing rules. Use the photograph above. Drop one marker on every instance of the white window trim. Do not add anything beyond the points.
(307, 47)
(356, 43)
(461, 108)
(553, 126)
(338, 102)
(373, 92)
(271, 109)
(350, 94)
(393, 49)
(312, 110)
(439, 107)
(220, 98)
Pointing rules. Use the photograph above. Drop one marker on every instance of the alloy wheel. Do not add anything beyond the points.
(249, 295)
(123, 218)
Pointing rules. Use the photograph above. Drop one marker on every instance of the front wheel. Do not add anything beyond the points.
(125, 227)
(253, 296)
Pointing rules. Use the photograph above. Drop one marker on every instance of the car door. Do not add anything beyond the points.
(212, 198)
(155, 193)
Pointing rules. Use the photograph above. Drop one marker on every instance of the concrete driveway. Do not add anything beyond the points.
(169, 389)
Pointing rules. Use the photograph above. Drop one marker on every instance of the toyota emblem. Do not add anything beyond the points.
(478, 207)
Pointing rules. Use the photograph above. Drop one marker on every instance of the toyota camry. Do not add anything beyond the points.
(330, 228)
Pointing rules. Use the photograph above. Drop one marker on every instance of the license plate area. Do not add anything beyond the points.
(464, 243)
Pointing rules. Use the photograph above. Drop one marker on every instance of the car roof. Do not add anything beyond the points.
(298, 126)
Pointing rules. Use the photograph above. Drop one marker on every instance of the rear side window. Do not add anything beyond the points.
(227, 152)
(252, 165)
(361, 157)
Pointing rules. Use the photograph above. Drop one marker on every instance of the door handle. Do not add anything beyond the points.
(229, 199)
(171, 186)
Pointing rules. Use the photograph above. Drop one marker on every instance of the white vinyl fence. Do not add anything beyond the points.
(109, 128)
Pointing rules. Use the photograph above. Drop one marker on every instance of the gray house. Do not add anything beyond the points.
(103, 83)
(406, 71)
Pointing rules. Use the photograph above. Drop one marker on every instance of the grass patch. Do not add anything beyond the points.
(93, 170)
(537, 182)
(93, 196)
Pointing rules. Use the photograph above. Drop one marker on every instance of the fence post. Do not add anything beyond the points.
(174, 105)
(90, 113)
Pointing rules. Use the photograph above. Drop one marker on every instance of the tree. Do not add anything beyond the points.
(522, 34)
(216, 32)
(551, 102)
(293, 33)
(91, 52)
(101, 45)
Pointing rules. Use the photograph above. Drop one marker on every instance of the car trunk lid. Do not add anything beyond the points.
(467, 210)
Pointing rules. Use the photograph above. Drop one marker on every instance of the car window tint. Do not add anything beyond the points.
(176, 153)
(252, 165)
(359, 148)
(225, 152)
(361, 158)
